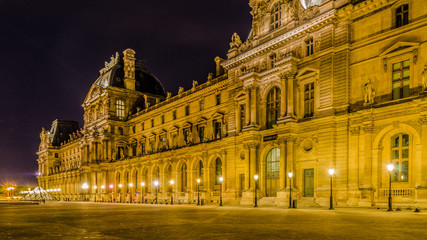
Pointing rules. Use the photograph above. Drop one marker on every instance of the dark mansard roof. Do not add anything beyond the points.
(145, 81)
(61, 130)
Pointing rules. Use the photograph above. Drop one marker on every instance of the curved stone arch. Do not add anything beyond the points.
(212, 158)
(179, 164)
(264, 91)
(267, 148)
(166, 165)
(153, 168)
(392, 129)
(195, 161)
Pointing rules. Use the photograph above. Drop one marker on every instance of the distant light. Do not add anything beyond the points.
(130, 184)
(95, 187)
(221, 179)
(331, 171)
(120, 185)
(156, 183)
(256, 177)
(390, 167)
(143, 184)
(111, 186)
(59, 189)
(290, 174)
(198, 180)
(172, 182)
(85, 186)
(102, 186)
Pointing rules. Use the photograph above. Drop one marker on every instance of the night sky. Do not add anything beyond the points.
(51, 53)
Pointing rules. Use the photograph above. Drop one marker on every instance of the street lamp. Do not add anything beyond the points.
(220, 191)
(120, 192)
(103, 192)
(255, 198)
(331, 204)
(156, 183)
(143, 190)
(85, 187)
(95, 188)
(390, 169)
(198, 193)
(172, 182)
(111, 191)
(290, 174)
(130, 192)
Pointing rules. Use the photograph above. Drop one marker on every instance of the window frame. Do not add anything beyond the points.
(275, 16)
(398, 162)
(120, 108)
(273, 106)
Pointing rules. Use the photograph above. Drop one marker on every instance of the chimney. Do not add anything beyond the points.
(129, 68)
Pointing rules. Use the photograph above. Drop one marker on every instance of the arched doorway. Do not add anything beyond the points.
(272, 172)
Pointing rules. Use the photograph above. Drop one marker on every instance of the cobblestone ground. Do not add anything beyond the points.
(130, 221)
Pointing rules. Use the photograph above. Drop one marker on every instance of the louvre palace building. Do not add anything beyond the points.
(317, 85)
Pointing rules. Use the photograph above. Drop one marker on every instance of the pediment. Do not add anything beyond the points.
(400, 47)
(217, 115)
(307, 72)
(201, 120)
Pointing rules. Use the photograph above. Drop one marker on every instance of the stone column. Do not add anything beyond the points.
(353, 162)
(224, 169)
(283, 95)
(254, 117)
(423, 158)
(290, 165)
(367, 180)
(247, 166)
(253, 166)
(283, 174)
(290, 96)
(237, 112)
(248, 107)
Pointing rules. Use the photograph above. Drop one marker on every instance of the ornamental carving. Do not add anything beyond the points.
(355, 130)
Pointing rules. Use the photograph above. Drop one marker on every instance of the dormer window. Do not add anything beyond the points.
(275, 18)
(120, 109)
(272, 60)
(402, 15)
(309, 47)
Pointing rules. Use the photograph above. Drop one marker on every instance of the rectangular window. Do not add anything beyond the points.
(202, 105)
(272, 60)
(400, 157)
(400, 80)
(308, 100)
(402, 15)
(201, 133)
(187, 110)
(186, 135)
(120, 109)
(133, 129)
(143, 148)
(309, 47)
(152, 122)
(153, 146)
(242, 116)
(163, 119)
(217, 130)
(218, 99)
(142, 126)
(163, 139)
(174, 115)
(56, 155)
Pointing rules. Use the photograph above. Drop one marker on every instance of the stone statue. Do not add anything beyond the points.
(190, 138)
(424, 77)
(369, 95)
(169, 95)
(235, 41)
(122, 154)
(114, 155)
(195, 83)
(210, 76)
(180, 90)
(224, 129)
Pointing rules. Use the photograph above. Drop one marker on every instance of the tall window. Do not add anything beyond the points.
(200, 173)
(218, 99)
(272, 172)
(218, 170)
(402, 15)
(272, 60)
(120, 131)
(201, 133)
(217, 129)
(401, 79)
(202, 105)
(174, 115)
(134, 146)
(187, 110)
(184, 177)
(276, 16)
(187, 133)
(143, 147)
(163, 140)
(309, 47)
(400, 157)
(273, 106)
(153, 145)
(308, 100)
(163, 119)
(120, 109)
(143, 126)
(242, 116)
(152, 122)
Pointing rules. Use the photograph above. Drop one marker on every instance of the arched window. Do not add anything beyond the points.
(273, 106)
(276, 16)
(120, 109)
(402, 15)
(400, 157)
(273, 171)
(156, 174)
(200, 172)
(218, 170)
(184, 177)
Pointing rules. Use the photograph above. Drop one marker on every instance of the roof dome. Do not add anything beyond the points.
(113, 75)
(310, 3)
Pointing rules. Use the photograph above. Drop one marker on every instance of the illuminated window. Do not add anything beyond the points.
(187, 110)
(120, 109)
(276, 16)
(309, 47)
(402, 15)
(218, 170)
(273, 106)
(187, 133)
(201, 133)
(308, 100)
(163, 140)
(401, 79)
(202, 105)
(400, 157)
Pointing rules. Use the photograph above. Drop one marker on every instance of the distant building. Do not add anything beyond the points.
(316, 85)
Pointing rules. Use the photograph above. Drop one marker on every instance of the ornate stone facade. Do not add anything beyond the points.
(316, 85)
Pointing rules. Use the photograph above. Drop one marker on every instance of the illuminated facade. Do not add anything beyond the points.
(316, 85)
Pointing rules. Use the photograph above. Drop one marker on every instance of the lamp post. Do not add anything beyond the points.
(331, 204)
(255, 198)
(130, 192)
(102, 192)
(111, 191)
(156, 183)
(38, 174)
(390, 169)
(220, 191)
(143, 191)
(120, 192)
(198, 193)
(85, 187)
(172, 182)
(95, 189)
(290, 174)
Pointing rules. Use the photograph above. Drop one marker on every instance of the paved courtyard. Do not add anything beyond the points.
(130, 221)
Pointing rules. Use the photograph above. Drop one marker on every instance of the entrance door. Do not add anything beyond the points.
(273, 172)
(309, 182)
